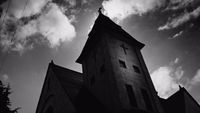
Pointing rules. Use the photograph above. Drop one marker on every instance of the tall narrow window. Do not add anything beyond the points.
(131, 95)
(92, 80)
(147, 100)
(102, 69)
(122, 64)
(136, 69)
(124, 48)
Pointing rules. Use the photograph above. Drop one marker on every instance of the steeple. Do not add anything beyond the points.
(114, 69)
(100, 10)
(105, 24)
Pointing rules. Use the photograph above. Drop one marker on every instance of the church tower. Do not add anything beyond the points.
(114, 70)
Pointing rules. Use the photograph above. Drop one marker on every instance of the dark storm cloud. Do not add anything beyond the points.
(23, 18)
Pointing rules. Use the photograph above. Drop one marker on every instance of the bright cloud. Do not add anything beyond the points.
(121, 9)
(167, 78)
(176, 35)
(180, 20)
(49, 22)
(55, 26)
(176, 60)
(196, 79)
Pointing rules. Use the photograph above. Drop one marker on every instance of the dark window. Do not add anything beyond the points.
(102, 69)
(136, 69)
(122, 64)
(131, 95)
(49, 110)
(124, 48)
(147, 100)
(92, 80)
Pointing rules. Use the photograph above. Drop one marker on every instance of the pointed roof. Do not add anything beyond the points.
(181, 94)
(104, 24)
(71, 81)
(177, 102)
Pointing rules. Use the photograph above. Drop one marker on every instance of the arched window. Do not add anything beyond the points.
(49, 110)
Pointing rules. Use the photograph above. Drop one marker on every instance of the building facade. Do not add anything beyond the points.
(115, 78)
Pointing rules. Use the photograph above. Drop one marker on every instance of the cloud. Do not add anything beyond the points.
(84, 1)
(196, 79)
(176, 60)
(179, 4)
(176, 35)
(180, 20)
(121, 9)
(72, 2)
(24, 8)
(55, 26)
(5, 78)
(65, 5)
(166, 79)
(42, 20)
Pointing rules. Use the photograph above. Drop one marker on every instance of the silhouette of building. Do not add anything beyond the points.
(115, 79)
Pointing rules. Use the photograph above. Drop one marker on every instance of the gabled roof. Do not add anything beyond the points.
(181, 93)
(104, 24)
(190, 96)
(176, 103)
(71, 81)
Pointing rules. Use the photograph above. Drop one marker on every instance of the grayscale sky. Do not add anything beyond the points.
(33, 32)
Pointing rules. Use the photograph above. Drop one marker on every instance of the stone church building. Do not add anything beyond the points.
(115, 79)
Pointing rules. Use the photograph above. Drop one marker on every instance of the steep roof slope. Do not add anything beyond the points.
(70, 80)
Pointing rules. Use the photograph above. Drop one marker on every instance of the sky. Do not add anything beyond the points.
(34, 32)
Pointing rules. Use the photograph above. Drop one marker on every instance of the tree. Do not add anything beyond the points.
(1, 2)
(4, 99)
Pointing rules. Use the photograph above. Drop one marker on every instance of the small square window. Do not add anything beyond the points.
(122, 64)
(136, 69)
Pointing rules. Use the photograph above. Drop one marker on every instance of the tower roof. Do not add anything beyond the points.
(105, 24)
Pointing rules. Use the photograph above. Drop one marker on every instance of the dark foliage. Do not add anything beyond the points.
(2, 1)
(4, 99)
